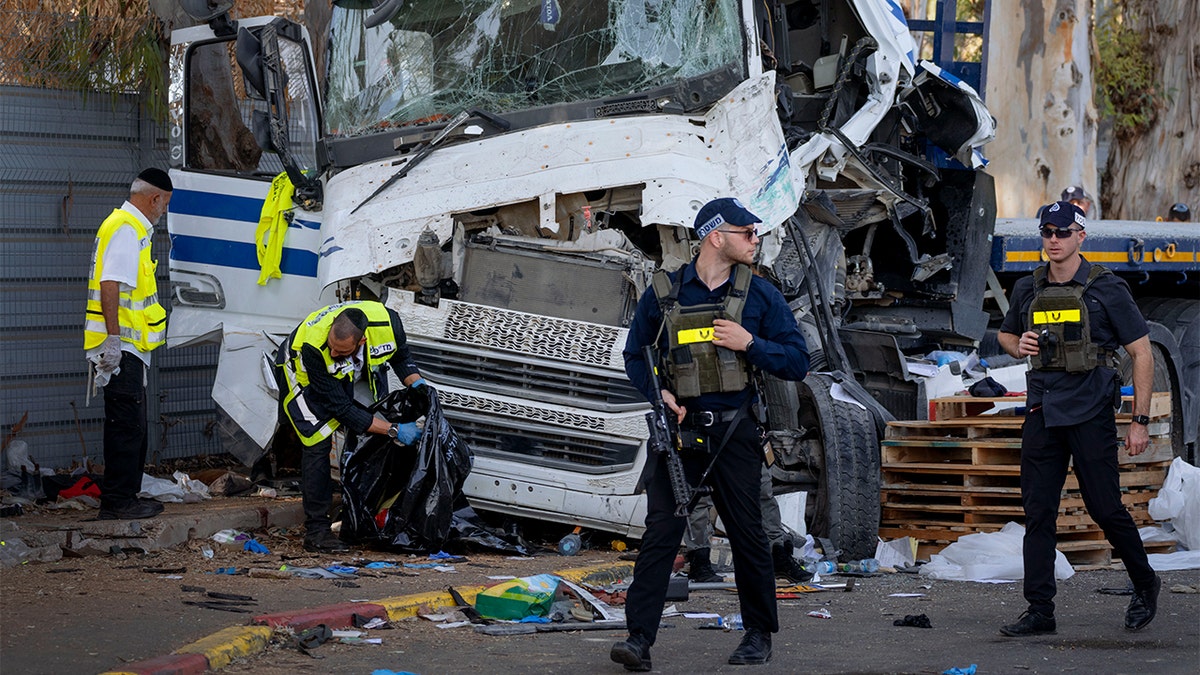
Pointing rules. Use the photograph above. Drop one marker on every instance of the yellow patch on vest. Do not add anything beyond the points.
(687, 337)
(1057, 316)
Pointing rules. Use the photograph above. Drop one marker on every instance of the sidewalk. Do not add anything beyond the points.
(219, 649)
(112, 595)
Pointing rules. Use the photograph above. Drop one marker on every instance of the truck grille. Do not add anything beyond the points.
(550, 447)
(512, 375)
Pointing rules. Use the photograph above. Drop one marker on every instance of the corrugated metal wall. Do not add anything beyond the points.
(66, 161)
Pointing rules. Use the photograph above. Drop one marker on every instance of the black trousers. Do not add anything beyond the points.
(316, 485)
(124, 433)
(1044, 456)
(735, 479)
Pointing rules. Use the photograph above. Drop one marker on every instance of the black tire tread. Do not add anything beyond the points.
(848, 509)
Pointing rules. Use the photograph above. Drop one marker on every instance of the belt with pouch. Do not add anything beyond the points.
(700, 419)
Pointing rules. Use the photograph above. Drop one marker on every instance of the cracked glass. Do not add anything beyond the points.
(434, 58)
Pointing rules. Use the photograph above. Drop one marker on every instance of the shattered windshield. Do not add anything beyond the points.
(435, 58)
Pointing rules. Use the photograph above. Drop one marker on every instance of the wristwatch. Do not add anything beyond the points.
(393, 431)
(749, 345)
(1143, 420)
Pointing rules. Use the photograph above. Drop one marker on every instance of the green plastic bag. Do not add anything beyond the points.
(518, 598)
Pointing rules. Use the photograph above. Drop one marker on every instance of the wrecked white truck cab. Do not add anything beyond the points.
(508, 174)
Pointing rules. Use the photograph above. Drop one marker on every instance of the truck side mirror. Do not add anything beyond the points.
(205, 10)
(249, 58)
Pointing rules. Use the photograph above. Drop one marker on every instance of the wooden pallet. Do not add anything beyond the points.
(960, 474)
(959, 407)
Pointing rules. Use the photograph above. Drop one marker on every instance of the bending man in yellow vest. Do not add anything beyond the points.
(335, 353)
(123, 324)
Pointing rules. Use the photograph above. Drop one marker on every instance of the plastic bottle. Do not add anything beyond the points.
(820, 566)
(732, 622)
(868, 566)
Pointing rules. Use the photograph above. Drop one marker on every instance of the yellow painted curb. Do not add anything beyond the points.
(598, 575)
(226, 645)
(405, 606)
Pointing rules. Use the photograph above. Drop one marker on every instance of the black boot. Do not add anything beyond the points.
(700, 568)
(633, 653)
(786, 566)
(755, 649)
(1143, 606)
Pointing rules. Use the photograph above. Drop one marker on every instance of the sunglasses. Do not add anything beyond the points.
(750, 235)
(1059, 232)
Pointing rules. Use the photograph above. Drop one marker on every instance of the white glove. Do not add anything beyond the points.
(110, 354)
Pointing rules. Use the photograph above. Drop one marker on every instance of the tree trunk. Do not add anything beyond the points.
(1149, 172)
(1045, 117)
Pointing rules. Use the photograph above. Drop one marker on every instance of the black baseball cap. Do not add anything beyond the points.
(1062, 215)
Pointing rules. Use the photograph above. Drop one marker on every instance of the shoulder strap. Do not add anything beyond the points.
(1039, 277)
(735, 300)
(1095, 273)
(666, 290)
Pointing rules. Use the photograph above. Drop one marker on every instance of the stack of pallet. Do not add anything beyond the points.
(959, 473)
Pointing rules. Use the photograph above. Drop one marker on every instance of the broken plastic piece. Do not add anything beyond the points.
(314, 637)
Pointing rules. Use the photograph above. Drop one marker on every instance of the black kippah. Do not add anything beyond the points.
(158, 178)
(356, 317)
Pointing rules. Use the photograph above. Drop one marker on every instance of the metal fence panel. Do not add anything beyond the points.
(67, 161)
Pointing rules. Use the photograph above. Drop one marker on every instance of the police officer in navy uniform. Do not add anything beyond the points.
(325, 369)
(1068, 318)
(708, 387)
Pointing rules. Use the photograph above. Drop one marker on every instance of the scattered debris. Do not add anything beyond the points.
(165, 570)
(916, 621)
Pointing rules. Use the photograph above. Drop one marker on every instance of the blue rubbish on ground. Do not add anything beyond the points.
(254, 547)
(969, 670)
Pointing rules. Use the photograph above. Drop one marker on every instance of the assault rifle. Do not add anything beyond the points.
(664, 438)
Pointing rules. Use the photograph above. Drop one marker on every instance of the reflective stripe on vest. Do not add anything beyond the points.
(142, 320)
(313, 427)
(694, 364)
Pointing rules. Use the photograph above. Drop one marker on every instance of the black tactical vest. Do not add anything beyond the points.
(695, 365)
(1060, 318)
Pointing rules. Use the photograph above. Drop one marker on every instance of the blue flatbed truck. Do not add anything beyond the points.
(1161, 262)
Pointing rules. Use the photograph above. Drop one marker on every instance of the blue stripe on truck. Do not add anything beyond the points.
(224, 207)
(241, 255)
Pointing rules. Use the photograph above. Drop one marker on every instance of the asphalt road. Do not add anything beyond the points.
(859, 638)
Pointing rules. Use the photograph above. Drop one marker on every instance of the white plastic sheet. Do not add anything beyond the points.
(184, 489)
(988, 556)
(1178, 502)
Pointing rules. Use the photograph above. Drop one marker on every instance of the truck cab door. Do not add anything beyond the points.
(235, 90)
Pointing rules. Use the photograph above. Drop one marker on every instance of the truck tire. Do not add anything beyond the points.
(846, 508)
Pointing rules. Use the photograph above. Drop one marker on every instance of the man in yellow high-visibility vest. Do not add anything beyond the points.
(124, 323)
(328, 369)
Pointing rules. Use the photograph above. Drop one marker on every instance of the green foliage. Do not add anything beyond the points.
(1127, 88)
(86, 52)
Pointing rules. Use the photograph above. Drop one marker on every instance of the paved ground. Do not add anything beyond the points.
(106, 612)
(859, 638)
(97, 612)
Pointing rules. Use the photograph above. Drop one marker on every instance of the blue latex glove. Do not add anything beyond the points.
(419, 382)
(407, 433)
(255, 547)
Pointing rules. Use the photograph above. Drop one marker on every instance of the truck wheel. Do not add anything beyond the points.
(846, 508)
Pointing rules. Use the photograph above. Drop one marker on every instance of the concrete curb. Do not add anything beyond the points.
(219, 649)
